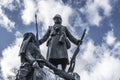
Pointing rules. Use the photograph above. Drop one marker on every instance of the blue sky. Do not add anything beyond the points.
(101, 46)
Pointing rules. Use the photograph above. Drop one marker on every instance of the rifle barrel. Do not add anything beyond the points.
(83, 34)
(72, 62)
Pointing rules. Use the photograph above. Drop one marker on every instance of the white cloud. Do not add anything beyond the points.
(97, 63)
(10, 4)
(46, 11)
(7, 4)
(110, 38)
(105, 5)
(93, 15)
(103, 70)
(10, 58)
(29, 11)
(92, 10)
(5, 21)
(18, 34)
(116, 50)
(43, 49)
(90, 48)
(106, 70)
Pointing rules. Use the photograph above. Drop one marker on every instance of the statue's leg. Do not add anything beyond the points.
(56, 65)
(64, 63)
(64, 66)
(54, 62)
(24, 78)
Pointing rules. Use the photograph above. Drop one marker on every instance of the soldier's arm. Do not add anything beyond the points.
(45, 37)
(71, 37)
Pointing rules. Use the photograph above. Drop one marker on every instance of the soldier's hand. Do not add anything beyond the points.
(35, 64)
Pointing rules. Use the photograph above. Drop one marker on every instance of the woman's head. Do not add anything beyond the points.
(29, 36)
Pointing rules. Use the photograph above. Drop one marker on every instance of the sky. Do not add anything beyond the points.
(99, 56)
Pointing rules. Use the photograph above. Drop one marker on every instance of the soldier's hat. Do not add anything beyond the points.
(57, 16)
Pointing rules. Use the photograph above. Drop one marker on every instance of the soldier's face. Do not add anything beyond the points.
(57, 20)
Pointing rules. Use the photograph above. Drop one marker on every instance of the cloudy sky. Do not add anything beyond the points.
(99, 58)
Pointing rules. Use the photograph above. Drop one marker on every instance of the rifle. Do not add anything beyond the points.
(37, 39)
(73, 59)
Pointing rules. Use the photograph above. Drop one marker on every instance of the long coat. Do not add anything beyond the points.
(57, 50)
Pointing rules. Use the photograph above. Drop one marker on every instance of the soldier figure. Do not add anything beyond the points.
(28, 53)
(58, 43)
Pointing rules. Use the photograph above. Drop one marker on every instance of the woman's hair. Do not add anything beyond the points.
(31, 35)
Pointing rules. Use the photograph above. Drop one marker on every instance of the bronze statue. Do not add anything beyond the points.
(58, 43)
(32, 60)
(29, 53)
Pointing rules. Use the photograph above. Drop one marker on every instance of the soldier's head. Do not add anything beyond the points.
(57, 19)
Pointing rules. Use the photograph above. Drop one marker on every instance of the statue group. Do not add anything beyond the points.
(58, 40)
